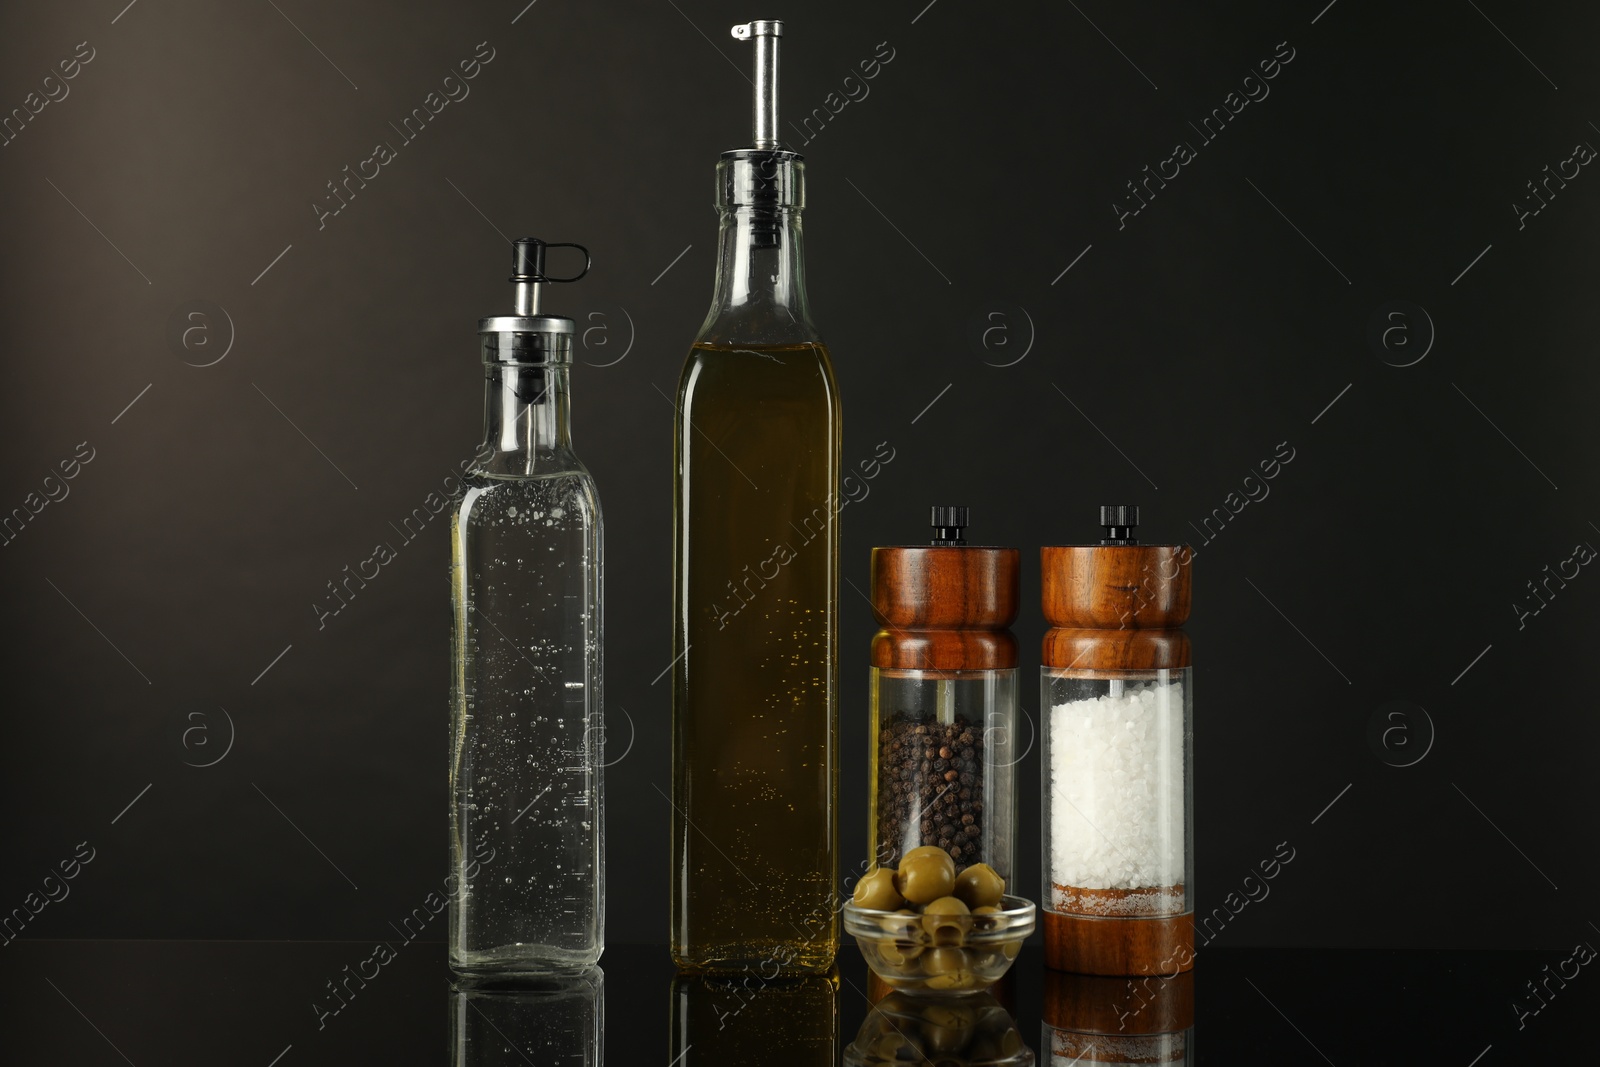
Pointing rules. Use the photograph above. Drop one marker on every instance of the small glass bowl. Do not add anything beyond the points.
(941, 953)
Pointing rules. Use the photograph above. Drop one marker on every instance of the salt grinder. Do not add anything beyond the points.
(1117, 698)
(944, 699)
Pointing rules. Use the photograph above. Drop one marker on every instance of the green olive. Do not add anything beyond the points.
(892, 1048)
(946, 921)
(982, 1050)
(945, 1016)
(943, 961)
(991, 1017)
(953, 981)
(908, 926)
(990, 962)
(926, 874)
(895, 1005)
(946, 1030)
(926, 850)
(897, 954)
(980, 886)
(876, 891)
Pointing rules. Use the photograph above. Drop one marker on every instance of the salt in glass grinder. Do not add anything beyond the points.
(944, 699)
(527, 891)
(1117, 702)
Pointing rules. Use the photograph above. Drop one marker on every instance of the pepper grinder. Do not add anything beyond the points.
(944, 699)
(1117, 700)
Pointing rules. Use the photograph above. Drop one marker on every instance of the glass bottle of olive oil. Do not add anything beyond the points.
(756, 572)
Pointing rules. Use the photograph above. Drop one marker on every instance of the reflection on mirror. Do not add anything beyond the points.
(554, 1021)
(718, 1020)
(949, 1030)
(1101, 1020)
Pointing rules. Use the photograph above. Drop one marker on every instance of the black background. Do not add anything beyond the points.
(1176, 354)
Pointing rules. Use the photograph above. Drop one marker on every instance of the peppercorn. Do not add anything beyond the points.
(928, 776)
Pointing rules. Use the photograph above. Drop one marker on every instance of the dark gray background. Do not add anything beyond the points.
(1175, 355)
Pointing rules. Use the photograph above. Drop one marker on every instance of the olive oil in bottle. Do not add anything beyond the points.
(755, 714)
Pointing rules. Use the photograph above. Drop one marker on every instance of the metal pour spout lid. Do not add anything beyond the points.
(528, 335)
(529, 275)
(766, 33)
(765, 176)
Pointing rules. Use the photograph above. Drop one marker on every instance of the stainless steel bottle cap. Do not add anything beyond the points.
(528, 336)
(526, 324)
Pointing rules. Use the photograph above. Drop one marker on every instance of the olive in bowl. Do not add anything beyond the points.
(947, 949)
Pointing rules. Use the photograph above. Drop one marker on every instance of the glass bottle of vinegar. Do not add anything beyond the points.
(755, 716)
(527, 887)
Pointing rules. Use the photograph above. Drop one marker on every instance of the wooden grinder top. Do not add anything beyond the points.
(1116, 605)
(945, 606)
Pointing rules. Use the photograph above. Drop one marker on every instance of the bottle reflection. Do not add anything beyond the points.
(1101, 1020)
(559, 1020)
(718, 1020)
(952, 1031)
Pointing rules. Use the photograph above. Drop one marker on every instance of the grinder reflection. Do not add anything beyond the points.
(1101, 1020)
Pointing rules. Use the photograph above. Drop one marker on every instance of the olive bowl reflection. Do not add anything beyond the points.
(945, 1030)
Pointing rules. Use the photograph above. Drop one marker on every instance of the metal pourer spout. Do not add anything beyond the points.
(766, 33)
(527, 271)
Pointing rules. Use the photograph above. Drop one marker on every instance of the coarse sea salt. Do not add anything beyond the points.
(1117, 796)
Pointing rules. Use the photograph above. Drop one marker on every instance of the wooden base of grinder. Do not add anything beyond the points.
(1118, 945)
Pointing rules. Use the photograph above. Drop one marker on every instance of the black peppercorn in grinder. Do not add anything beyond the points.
(944, 699)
